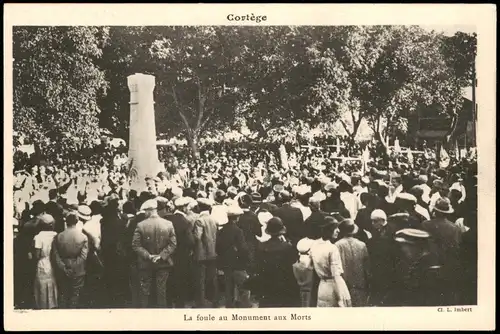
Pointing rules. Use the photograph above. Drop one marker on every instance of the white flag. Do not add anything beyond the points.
(444, 158)
(410, 157)
(397, 148)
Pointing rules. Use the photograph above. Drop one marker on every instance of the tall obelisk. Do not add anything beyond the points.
(143, 154)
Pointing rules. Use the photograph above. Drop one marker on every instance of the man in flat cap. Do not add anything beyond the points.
(154, 242)
(181, 280)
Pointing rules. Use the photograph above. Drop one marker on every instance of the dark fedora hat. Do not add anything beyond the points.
(256, 197)
(275, 226)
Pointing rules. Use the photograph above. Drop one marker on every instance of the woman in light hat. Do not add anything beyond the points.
(355, 262)
(332, 289)
(274, 261)
(46, 292)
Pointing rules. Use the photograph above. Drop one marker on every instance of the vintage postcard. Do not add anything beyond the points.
(249, 166)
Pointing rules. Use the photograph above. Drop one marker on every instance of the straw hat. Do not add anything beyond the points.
(443, 205)
(411, 236)
(84, 212)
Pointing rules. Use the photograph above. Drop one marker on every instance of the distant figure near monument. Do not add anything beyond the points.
(143, 154)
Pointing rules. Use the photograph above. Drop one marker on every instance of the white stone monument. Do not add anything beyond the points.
(143, 154)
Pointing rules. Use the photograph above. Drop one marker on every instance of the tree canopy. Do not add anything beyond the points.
(273, 79)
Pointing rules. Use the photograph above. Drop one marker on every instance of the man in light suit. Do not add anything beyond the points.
(154, 242)
(70, 254)
(205, 266)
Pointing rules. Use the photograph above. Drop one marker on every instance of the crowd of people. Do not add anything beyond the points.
(236, 227)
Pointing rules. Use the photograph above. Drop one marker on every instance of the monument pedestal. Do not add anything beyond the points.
(143, 154)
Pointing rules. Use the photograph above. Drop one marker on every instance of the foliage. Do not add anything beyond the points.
(279, 81)
(57, 83)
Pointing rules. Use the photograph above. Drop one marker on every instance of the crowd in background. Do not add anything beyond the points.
(238, 227)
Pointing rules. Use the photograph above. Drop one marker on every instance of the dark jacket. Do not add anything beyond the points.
(335, 208)
(112, 235)
(275, 260)
(383, 251)
(185, 238)
(154, 236)
(446, 239)
(294, 222)
(421, 284)
(250, 225)
(313, 223)
(231, 248)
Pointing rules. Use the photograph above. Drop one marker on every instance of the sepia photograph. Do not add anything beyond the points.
(244, 167)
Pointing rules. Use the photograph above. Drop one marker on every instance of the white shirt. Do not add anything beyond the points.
(458, 186)
(423, 211)
(351, 203)
(93, 228)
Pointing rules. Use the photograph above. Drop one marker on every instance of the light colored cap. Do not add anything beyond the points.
(182, 201)
(303, 189)
(378, 214)
(345, 178)
(219, 214)
(406, 197)
(264, 217)
(205, 201)
(330, 186)
(317, 198)
(150, 204)
(177, 192)
(365, 179)
(161, 199)
(234, 210)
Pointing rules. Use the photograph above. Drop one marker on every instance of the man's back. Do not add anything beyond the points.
(184, 234)
(70, 242)
(205, 235)
(354, 255)
(446, 237)
(293, 220)
(155, 234)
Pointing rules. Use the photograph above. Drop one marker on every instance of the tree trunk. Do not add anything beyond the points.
(193, 143)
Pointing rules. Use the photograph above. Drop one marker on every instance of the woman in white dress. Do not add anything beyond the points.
(45, 281)
(332, 289)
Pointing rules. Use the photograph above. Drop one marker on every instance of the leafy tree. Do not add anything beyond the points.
(410, 74)
(460, 52)
(199, 71)
(57, 84)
